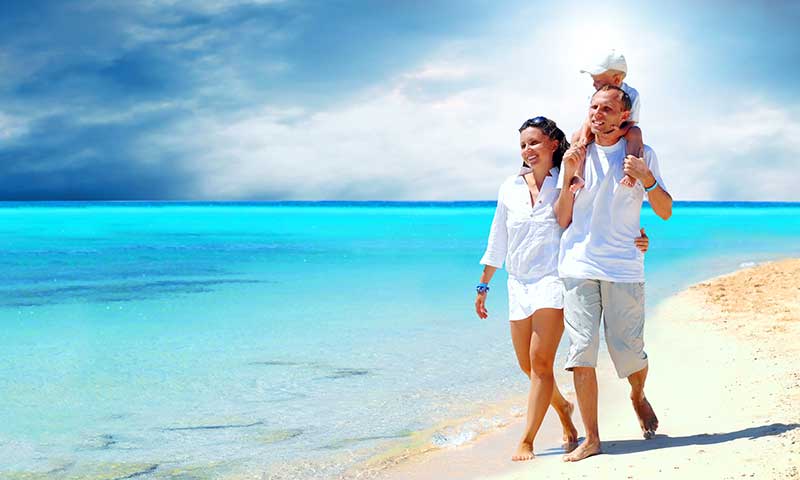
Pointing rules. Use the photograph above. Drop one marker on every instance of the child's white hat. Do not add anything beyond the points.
(610, 61)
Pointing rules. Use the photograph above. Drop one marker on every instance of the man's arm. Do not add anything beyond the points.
(659, 199)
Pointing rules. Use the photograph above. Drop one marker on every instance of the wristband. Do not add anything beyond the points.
(482, 288)
(651, 187)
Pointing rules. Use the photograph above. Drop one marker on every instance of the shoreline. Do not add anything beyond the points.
(721, 380)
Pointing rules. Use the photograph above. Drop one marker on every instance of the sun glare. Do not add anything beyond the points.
(583, 38)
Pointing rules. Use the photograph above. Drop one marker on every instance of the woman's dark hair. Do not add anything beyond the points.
(549, 128)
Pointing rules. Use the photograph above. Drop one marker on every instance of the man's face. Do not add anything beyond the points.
(609, 77)
(606, 112)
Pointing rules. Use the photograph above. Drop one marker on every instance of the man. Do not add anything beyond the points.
(603, 271)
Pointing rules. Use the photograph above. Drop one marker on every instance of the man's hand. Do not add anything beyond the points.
(480, 305)
(643, 242)
(637, 168)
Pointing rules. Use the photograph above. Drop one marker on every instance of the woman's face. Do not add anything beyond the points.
(537, 148)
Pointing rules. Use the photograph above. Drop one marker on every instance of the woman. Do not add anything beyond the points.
(525, 235)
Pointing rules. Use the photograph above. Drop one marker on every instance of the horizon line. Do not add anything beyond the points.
(356, 202)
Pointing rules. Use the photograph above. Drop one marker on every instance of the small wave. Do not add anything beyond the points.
(139, 473)
(459, 435)
(346, 442)
(276, 363)
(114, 293)
(213, 427)
(100, 442)
(747, 264)
(276, 436)
(347, 372)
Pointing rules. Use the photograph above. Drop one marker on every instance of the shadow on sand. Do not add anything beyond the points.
(622, 447)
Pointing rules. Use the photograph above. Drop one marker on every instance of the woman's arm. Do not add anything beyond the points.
(563, 207)
(496, 250)
(480, 299)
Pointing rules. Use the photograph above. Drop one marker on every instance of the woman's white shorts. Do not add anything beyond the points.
(527, 296)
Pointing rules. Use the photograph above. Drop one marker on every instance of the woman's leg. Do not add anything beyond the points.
(521, 333)
(541, 334)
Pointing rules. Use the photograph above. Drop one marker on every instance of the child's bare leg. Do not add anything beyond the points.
(582, 137)
(635, 147)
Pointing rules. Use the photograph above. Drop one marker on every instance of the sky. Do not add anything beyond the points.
(234, 100)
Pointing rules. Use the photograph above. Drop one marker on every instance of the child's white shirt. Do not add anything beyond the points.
(634, 94)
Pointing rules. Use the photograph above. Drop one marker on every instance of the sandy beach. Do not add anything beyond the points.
(724, 381)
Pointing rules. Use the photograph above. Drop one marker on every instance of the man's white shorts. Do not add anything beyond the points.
(621, 306)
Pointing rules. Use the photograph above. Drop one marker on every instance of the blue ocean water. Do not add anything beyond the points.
(203, 340)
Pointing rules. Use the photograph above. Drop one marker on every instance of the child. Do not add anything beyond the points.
(611, 70)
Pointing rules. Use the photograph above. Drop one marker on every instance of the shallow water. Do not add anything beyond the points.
(206, 340)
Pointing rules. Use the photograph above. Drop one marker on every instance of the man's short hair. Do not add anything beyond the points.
(627, 105)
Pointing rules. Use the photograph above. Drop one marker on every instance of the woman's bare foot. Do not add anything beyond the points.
(570, 436)
(584, 450)
(524, 452)
(647, 417)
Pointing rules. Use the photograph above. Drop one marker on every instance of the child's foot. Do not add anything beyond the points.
(576, 184)
(627, 181)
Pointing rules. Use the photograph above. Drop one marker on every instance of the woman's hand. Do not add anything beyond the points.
(572, 159)
(643, 242)
(480, 305)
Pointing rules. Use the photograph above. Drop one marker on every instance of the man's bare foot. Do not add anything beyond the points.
(570, 436)
(584, 450)
(647, 417)
(524, 452)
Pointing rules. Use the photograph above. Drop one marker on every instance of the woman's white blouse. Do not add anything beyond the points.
(525, 236)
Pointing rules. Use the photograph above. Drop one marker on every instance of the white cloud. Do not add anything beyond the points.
(441, 72)
(12, 127)
(446, 129)
(204, 6)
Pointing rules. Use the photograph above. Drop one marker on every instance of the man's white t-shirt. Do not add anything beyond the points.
(598, 244)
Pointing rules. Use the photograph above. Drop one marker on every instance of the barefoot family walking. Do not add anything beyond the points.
(526, 236)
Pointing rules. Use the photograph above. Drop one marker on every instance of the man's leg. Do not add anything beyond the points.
(586, 390)
(623, 307)
(582, 312)
(644, 411)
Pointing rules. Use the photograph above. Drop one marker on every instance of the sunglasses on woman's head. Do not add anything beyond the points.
(538, 122)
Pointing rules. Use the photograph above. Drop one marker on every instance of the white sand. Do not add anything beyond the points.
(724, 381)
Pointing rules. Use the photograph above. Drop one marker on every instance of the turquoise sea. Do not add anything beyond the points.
(277, 340)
